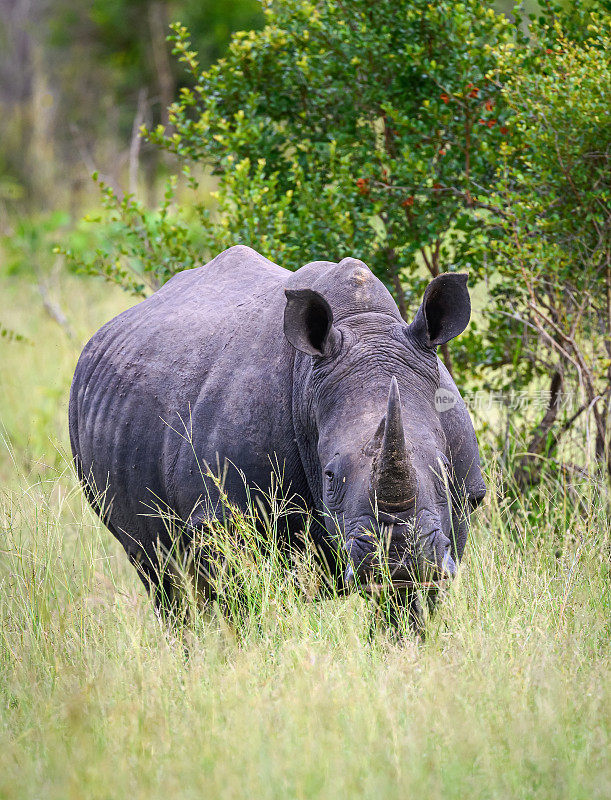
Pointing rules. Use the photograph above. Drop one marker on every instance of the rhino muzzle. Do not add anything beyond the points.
(400, 553)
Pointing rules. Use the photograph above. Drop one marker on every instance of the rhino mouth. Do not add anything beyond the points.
(374, 589)
(374, 585)
(391, 559)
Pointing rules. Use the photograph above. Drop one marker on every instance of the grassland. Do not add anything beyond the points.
(509, 697)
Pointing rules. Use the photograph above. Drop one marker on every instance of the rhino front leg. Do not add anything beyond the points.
(179, 568)
(159, 583)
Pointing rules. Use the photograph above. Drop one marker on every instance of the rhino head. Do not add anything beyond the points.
(389, 474)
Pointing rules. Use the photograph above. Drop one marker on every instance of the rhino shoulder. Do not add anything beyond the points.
(238, 266)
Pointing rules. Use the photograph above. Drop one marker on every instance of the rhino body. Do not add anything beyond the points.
(219, 368)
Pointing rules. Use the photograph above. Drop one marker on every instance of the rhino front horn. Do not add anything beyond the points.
(393, 475)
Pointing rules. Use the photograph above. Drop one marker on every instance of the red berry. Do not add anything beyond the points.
(409, 201)
(491, 123)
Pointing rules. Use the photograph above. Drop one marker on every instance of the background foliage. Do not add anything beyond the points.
(77, 79)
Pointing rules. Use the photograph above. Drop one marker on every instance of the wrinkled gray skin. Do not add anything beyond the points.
(315, 369)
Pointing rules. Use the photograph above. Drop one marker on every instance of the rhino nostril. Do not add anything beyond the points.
(359, 552)
(443, 556)
(448, 567)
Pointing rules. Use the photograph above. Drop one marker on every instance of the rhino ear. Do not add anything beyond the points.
(445, 310)
(308, 322)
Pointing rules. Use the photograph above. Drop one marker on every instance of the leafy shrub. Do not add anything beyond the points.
(549, 237)
(419, 137)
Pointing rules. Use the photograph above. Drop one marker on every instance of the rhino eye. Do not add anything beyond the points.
(329, 475)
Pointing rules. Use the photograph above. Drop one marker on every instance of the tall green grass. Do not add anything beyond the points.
(508, 696)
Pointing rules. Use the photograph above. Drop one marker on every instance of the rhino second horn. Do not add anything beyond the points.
(393, 475)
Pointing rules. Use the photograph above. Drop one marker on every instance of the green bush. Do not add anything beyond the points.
(421, 138)
(549, 238)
